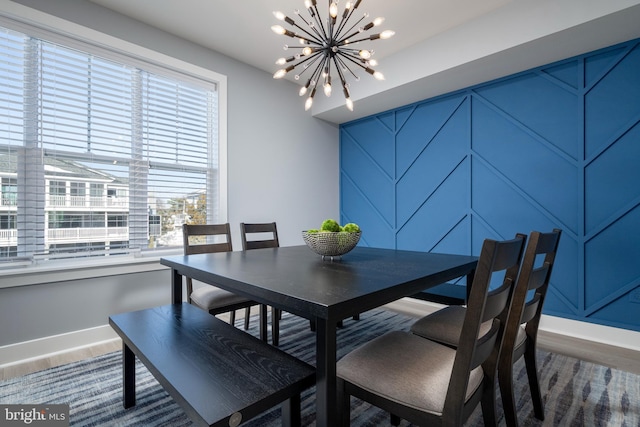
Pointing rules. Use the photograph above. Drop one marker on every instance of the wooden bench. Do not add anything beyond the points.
(219, 375)
(446, 293)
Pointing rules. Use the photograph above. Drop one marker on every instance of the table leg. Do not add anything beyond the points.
(326, 393)
(128, 377)
(470, 276)
(176, 287)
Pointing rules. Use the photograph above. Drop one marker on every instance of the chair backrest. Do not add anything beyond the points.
(534, 276)
(474, 349)
(258, 230)
(197, 238)
(205, 238)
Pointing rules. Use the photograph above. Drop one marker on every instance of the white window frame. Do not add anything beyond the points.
(22, 18)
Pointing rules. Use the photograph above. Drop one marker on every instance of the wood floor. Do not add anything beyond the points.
(603, 354)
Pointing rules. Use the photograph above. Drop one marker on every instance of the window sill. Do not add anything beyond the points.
(82, 269)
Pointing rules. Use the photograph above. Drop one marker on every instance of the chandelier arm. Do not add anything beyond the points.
(316, 16)
(315, 38)
(343, 43)
(310, 24)
(336, 61)
(345, 65)
(344, 55)
(342, 39)
(344, 20)
(313, 59)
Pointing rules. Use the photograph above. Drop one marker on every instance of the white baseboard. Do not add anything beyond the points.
(50, 346)
(572, 328)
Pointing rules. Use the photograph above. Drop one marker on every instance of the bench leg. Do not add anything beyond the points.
(128, 377)
(291, 412)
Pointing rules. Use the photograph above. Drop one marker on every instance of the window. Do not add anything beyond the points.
(100, 154)
(9, 191)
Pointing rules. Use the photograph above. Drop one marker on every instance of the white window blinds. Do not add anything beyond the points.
(100, 157)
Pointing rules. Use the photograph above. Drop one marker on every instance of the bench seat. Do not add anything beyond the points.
(219, 375)
(445, 293)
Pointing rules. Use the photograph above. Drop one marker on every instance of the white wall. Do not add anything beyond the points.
(282, 166)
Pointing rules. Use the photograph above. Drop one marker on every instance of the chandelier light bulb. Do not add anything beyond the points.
(349, 103)
(281, 61)
(327, 89)
(387, 34)
(378, 75)
(378, 21)
(307, 51)
(372, 63)
(279, 15)
(279, 74)
(278, 29)
(308, 103)
(333, 9)
(365, 54)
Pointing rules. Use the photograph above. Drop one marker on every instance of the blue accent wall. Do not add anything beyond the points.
(556, 146)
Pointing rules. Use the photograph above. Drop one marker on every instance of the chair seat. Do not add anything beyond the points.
(445, 325)
(406, 369)
(210, 298)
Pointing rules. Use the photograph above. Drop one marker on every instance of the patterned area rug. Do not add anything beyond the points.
(576, 393)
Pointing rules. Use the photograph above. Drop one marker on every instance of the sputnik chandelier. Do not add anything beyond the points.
(325, 47)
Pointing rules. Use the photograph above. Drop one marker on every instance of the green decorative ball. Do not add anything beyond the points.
(330, 225)
(351, 228)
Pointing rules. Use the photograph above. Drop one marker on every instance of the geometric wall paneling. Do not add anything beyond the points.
(565, 293)
(417, 131)
(606, 281)
(440, 213)
(441, 156)
(598, 64)
(567, 72)
(542, 106)
(603, 205)
(497, 202)
(355, 207)
(542, 173)
(372, 180)
(377, 143)
(555, 146)
(612, 104)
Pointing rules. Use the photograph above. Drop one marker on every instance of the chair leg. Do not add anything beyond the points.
(344, 404)
(394, 419)
(312, 325)
(356, 317)
(232, 317)
(247, 317)
(264, 336)
(488, 402)
(275, 325)
(534, 384)
(505, 379)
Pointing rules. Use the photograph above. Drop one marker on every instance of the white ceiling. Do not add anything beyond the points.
(242, 29)
(454, 43)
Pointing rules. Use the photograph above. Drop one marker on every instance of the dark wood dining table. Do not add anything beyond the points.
(298, 281)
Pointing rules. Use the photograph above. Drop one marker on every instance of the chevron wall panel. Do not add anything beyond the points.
(556, 146)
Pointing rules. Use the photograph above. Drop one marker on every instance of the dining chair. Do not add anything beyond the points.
(261, 236)
(444, 325)
(212, 238)
(521, 330)
(426, 382)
